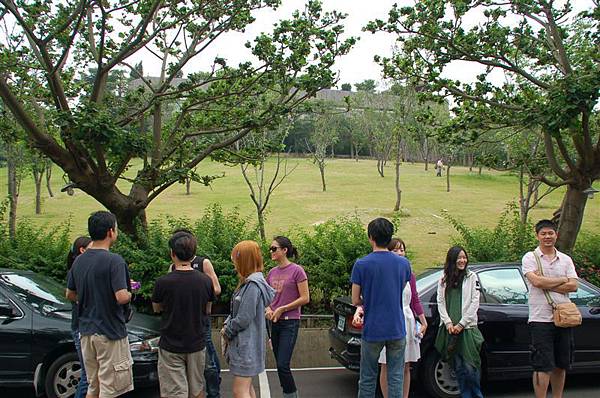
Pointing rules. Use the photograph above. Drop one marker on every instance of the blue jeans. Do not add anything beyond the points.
(212, 367)
(283, 337)
(369, 367)
(82, 387)
(467, 377)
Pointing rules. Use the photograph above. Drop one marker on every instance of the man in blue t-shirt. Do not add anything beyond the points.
(378, 280)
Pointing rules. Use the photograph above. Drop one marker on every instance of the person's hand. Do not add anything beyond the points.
(358, 318)
(450, 328)
(422, 330)
(269, 313)
(277, 314)
(223, 333)
(457, 329)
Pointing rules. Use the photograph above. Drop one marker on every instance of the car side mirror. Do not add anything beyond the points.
(6, 310)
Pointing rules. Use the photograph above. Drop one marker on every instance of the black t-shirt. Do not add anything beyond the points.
(183, 296)
(96, 276)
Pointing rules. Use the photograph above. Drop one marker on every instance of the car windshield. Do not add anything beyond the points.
(40, 292)
(428, 278)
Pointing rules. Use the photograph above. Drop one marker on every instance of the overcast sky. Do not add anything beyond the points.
(355, 67)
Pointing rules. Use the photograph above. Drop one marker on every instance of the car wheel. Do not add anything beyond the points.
(438, 376)
(63, 376)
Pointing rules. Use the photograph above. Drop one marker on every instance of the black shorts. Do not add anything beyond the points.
(551, 346)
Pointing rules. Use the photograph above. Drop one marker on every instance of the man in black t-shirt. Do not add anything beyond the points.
(98, 281)
(183, 297)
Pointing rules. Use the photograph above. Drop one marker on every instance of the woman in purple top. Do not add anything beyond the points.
(291, 292)
(412, 308)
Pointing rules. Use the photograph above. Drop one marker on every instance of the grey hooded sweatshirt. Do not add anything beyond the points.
(245, 327)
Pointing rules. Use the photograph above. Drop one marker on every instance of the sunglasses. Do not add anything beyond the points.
(273, 249)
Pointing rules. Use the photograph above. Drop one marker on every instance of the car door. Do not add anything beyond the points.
(502, 318)
(15, 342)
(587, 343)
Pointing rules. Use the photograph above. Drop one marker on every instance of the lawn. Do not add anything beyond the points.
(353, 188)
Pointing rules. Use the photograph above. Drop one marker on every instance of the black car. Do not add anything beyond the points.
(36, 345)
(502, 314)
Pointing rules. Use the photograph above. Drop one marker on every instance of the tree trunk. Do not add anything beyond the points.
(188, 182)
(38, 175)
(380, 167)
(471, 162)
(426, 144)
(49, 177)
(448, 177)
(523, 202)
(261, 224)
(480, 167)
(398, 190)
(13, 194)
(571, 216)
(322, 170)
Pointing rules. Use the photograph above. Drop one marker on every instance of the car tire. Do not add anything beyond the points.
(438, 377)
(63, 376)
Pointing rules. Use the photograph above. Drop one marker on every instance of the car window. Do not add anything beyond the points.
(41, 293)
(583, 295)
(503, 286)
(428, 278)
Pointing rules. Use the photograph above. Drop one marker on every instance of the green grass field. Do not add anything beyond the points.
(352, 188)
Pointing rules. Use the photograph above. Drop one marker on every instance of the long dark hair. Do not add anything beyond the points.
(285, 242)
(453, 276)
(82, 241)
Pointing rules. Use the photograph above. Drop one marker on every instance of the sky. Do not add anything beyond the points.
(357, 66)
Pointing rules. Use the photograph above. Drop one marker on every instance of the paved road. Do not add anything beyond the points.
(328, 383)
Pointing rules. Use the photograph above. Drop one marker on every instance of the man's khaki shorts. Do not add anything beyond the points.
(180, 375)
(108, 365)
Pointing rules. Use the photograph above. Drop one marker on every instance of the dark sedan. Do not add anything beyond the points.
(36, 346)
(502, 316)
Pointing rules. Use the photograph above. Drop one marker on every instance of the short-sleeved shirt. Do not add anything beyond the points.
(285, 282)
(382, 276)
(96, 275)
(183, 296)
(560, 266)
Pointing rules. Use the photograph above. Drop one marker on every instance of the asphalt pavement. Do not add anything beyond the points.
(337, 382)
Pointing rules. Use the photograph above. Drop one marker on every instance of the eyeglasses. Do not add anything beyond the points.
(273, 249)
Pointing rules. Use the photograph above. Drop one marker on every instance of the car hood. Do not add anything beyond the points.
(143, 326)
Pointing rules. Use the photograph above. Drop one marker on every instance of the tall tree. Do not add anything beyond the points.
(324, 135)
(549, 59)
(264, 144)
(47, 47)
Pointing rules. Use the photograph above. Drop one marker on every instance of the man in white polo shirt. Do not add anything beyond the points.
(551, 346)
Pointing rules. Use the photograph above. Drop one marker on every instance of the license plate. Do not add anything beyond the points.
(341, 323)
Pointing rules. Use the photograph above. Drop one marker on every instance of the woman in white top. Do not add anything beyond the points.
(411, 306)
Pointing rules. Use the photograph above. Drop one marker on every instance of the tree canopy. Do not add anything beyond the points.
(63, 56)
(539, 69)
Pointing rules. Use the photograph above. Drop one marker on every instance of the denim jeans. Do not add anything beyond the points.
(283, 337)
(468, 378)
(369, 367)
(82, 387)
(212, 367)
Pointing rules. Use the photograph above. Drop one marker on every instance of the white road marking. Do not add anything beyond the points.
(305, 369)
(263, 383)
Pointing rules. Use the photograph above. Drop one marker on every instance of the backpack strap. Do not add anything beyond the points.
(541, 271)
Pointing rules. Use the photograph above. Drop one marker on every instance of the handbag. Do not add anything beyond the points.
(565, 315)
